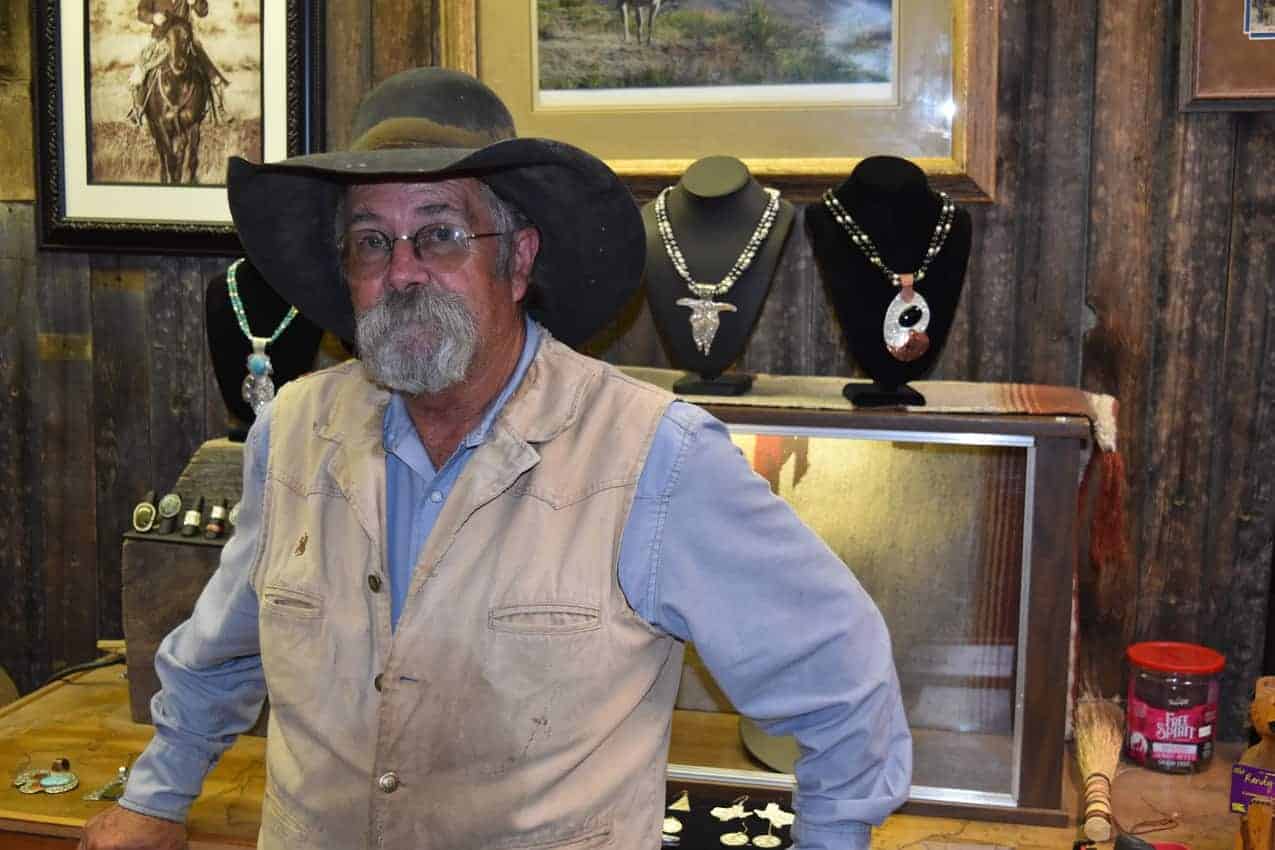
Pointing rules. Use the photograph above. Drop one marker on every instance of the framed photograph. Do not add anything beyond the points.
(141, 103)
(798, 89)
(1228, 55)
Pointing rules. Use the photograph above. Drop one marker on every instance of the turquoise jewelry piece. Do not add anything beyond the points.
(258, 388)
(908, 315)
(57, 780)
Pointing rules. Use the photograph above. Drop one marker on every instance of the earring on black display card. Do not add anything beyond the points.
(774, 816)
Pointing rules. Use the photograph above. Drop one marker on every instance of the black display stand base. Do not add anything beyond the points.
(728, 383)
(871, 395)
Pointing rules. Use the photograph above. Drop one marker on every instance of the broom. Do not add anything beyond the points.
(1099, 734)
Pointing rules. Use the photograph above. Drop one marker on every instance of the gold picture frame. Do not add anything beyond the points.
(967, 172)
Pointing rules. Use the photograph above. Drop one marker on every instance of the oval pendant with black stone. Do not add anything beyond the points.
(905, 324)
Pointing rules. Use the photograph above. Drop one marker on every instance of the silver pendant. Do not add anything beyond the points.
(704, 319)
(258, 388)
(906, 319)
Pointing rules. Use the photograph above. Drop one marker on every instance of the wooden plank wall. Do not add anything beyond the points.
(1131, 251)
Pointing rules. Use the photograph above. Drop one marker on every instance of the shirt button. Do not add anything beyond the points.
(436, 497)
(376, 682)
(388, 782)
(374, 582)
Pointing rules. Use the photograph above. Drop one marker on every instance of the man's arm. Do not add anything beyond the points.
(210, 671)
(710, 555)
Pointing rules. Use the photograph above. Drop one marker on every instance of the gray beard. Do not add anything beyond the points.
(417, 340)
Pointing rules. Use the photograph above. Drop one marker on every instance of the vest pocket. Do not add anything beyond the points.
(548, 618)
(293, 654)
(288, 602)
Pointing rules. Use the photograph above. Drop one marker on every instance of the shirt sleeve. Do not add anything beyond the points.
(711, 556)
(209, 667)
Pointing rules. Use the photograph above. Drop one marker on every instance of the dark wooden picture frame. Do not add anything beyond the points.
(143, 216)
(1222, 65)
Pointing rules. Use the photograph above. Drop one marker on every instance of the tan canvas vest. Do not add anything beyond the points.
(520, 703)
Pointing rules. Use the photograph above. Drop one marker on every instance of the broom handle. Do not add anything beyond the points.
(1097, 807)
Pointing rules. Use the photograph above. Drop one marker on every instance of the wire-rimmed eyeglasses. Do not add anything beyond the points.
(443, 247)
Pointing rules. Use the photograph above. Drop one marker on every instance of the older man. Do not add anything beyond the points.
(466, 563)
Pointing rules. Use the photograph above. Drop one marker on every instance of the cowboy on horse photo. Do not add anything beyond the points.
(164, 16)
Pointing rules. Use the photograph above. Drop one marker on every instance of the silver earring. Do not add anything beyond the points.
(774, 816)
(734, 810)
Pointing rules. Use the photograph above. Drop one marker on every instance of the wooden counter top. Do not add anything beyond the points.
(85, 718)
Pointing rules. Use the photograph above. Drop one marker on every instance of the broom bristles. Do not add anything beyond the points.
(1099, 734)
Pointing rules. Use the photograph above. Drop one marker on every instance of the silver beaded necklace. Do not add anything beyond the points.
(908, 315)
(704, 310)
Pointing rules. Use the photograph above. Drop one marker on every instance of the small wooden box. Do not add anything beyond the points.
(163, 574)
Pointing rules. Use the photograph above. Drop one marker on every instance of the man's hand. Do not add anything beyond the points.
(117, 828)
(158, 19)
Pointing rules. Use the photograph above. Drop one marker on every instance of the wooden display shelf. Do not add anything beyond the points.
(85, 718)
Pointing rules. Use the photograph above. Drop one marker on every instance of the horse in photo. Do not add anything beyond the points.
(177, 99)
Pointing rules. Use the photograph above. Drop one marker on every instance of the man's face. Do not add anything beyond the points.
(427, 316)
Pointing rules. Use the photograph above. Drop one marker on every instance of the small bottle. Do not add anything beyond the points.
(216, 521)
(193, 520)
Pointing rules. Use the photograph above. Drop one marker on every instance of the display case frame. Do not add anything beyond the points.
(1055, 449)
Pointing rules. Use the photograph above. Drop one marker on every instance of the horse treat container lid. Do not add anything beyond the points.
(1172, 657)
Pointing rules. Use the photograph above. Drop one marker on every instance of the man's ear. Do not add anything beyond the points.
(526, 245)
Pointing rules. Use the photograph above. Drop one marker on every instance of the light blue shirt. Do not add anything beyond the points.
(708, 555)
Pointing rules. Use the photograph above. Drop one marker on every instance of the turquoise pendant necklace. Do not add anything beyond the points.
(258, 388)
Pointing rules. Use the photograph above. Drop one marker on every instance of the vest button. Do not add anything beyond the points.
(376, 682)
(374, 582)
(388, 782)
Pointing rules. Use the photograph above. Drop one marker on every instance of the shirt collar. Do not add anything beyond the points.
(398, 433)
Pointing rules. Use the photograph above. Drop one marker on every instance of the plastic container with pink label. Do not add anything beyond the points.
(1173, 692)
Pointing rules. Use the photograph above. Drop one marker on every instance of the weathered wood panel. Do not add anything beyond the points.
(403, 31)
(1050, 221)
(68, 507)
(178, 364)
(1189, 325)
(349, 65)
(1132, 110)
(22, 605)
(1241, 507)
(121, 406)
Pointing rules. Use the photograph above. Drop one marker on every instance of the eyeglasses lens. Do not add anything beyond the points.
(442, 247)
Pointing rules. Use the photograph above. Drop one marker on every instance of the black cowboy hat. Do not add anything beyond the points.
(433, 123)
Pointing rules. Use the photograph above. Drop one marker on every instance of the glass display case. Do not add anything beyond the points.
(964, 529)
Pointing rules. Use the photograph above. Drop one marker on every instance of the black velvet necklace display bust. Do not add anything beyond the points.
(291, 355)
(891, 201)
(713, 211)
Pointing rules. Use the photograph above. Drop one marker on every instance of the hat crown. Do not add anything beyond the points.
(430, 107)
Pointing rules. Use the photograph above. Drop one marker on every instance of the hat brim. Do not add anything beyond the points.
(592, 244)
